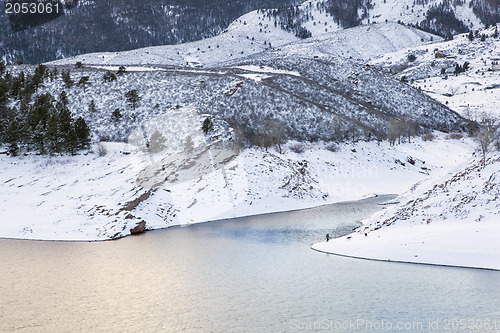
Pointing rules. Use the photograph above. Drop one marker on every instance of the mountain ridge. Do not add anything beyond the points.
(98, 26)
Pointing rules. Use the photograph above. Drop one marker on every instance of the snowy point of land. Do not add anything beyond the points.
(454, 223)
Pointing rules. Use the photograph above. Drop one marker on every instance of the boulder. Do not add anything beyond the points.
(139, 228)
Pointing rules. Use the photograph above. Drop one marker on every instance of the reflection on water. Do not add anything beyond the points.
(253, 274)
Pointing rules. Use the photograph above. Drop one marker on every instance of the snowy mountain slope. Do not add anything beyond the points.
(324, 98)
(442, 17)
(123, 26)
(107, 196)
(455, 222)
(362, 42)
(243, 40)
(354, 92)
(95, 26)
(469, 93)
(451, 220)
(313, 99)
(409, 11)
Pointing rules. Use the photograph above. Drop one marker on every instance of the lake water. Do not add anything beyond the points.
(255, 274)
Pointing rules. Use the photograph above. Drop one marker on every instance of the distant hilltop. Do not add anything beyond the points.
(100, 26)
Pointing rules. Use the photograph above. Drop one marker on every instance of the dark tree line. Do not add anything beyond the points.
(441, 20)
(346, 13)
(291, 19)
(38, 122)
(487, 10)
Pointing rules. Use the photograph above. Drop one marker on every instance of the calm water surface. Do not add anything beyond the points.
(253, 274)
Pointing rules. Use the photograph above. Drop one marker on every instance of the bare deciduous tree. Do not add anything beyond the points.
(487, 134)
(396, 130)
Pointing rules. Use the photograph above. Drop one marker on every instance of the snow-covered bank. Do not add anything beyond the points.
(95, 198)
(455, 222)
(470, 93)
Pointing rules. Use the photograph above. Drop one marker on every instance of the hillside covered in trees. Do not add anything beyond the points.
(122, 25)
(441, 17)
(265, 100)
(31, 120)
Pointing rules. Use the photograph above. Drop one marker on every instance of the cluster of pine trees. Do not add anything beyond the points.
(345, 13)
(291, 19)
(37, 122)
(441, 20)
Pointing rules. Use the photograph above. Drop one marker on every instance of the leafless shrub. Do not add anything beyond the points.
(455, 136)
(429, 136)
(101, 150)
(298, 148)
(332, 147)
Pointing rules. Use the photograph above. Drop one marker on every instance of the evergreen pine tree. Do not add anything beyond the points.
(52, 134)
(116, 115)
(82, 133)
(66, 76)
(38, 77)
(121, 70)
(92, 107)
(12, 137)
(132, 98)
(71, 140)
(16, 85)
(109, 76)
(67, 131)
(55, 73)
(84, 82)
(38, 138)
(207, 126)
(4, 92)
(471, 36)
(63, 101)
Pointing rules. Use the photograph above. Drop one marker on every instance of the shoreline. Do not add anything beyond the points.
(381, 196)
(58, 205)
(401, 261)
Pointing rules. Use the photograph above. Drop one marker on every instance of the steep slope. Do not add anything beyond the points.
(122, 25)
(362, 42)
(105, 27)
(243, 40)
(326, 98)
(108, 195)
(443, 17)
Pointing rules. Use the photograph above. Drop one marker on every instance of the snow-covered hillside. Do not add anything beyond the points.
(472, 92)
(362, 42)
(262, 30)
(453, 223)
(44, 198)
(243, 40)
(410, 11)
(327, 98)
(441, 17)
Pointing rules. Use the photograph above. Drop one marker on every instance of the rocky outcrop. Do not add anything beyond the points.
(139, 228)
